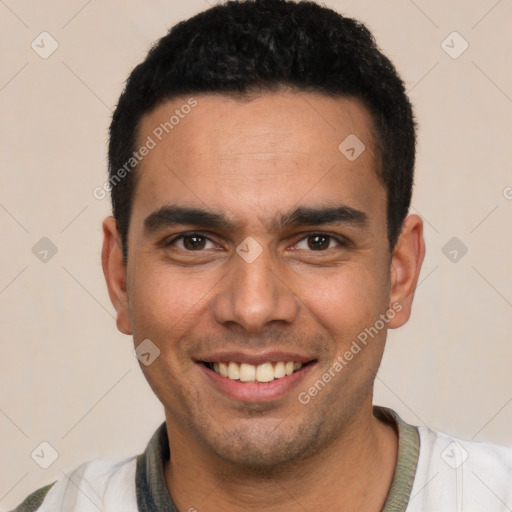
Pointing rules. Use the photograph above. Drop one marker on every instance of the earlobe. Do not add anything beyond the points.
(406, 264)
(114, 269)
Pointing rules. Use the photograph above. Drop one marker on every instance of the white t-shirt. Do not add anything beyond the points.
(456, 476)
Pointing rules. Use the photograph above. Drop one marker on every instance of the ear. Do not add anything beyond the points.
(114, 269)
(406, 263)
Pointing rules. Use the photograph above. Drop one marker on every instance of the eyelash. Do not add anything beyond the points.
(342, 241)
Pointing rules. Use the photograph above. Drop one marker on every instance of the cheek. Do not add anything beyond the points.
(163, 303)
(165, 310)
(346, 302)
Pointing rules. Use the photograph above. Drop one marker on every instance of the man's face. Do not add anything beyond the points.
(287, 263)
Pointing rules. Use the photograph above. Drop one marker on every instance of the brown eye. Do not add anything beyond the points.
(318, 242)
(194, 242)
(321, 242)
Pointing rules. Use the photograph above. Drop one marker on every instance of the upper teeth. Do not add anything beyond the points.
(265, 372)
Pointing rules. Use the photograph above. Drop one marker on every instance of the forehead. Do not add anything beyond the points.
(274, 150)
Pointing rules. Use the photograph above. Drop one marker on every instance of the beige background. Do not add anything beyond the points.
(69, 378)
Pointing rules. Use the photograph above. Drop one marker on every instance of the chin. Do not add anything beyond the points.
(261, 449)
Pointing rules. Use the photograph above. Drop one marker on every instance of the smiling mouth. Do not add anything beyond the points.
(263, 373)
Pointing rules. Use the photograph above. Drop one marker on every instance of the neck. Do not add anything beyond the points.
(353, 473)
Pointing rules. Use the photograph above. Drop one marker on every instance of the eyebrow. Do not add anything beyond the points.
(170, 216)
(304, 216)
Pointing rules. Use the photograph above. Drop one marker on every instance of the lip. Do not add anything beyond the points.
(253, 392)
(256, 359)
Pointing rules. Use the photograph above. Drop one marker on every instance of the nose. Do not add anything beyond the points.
(254, 295)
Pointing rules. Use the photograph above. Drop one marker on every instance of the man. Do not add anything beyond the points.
(261, 167)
